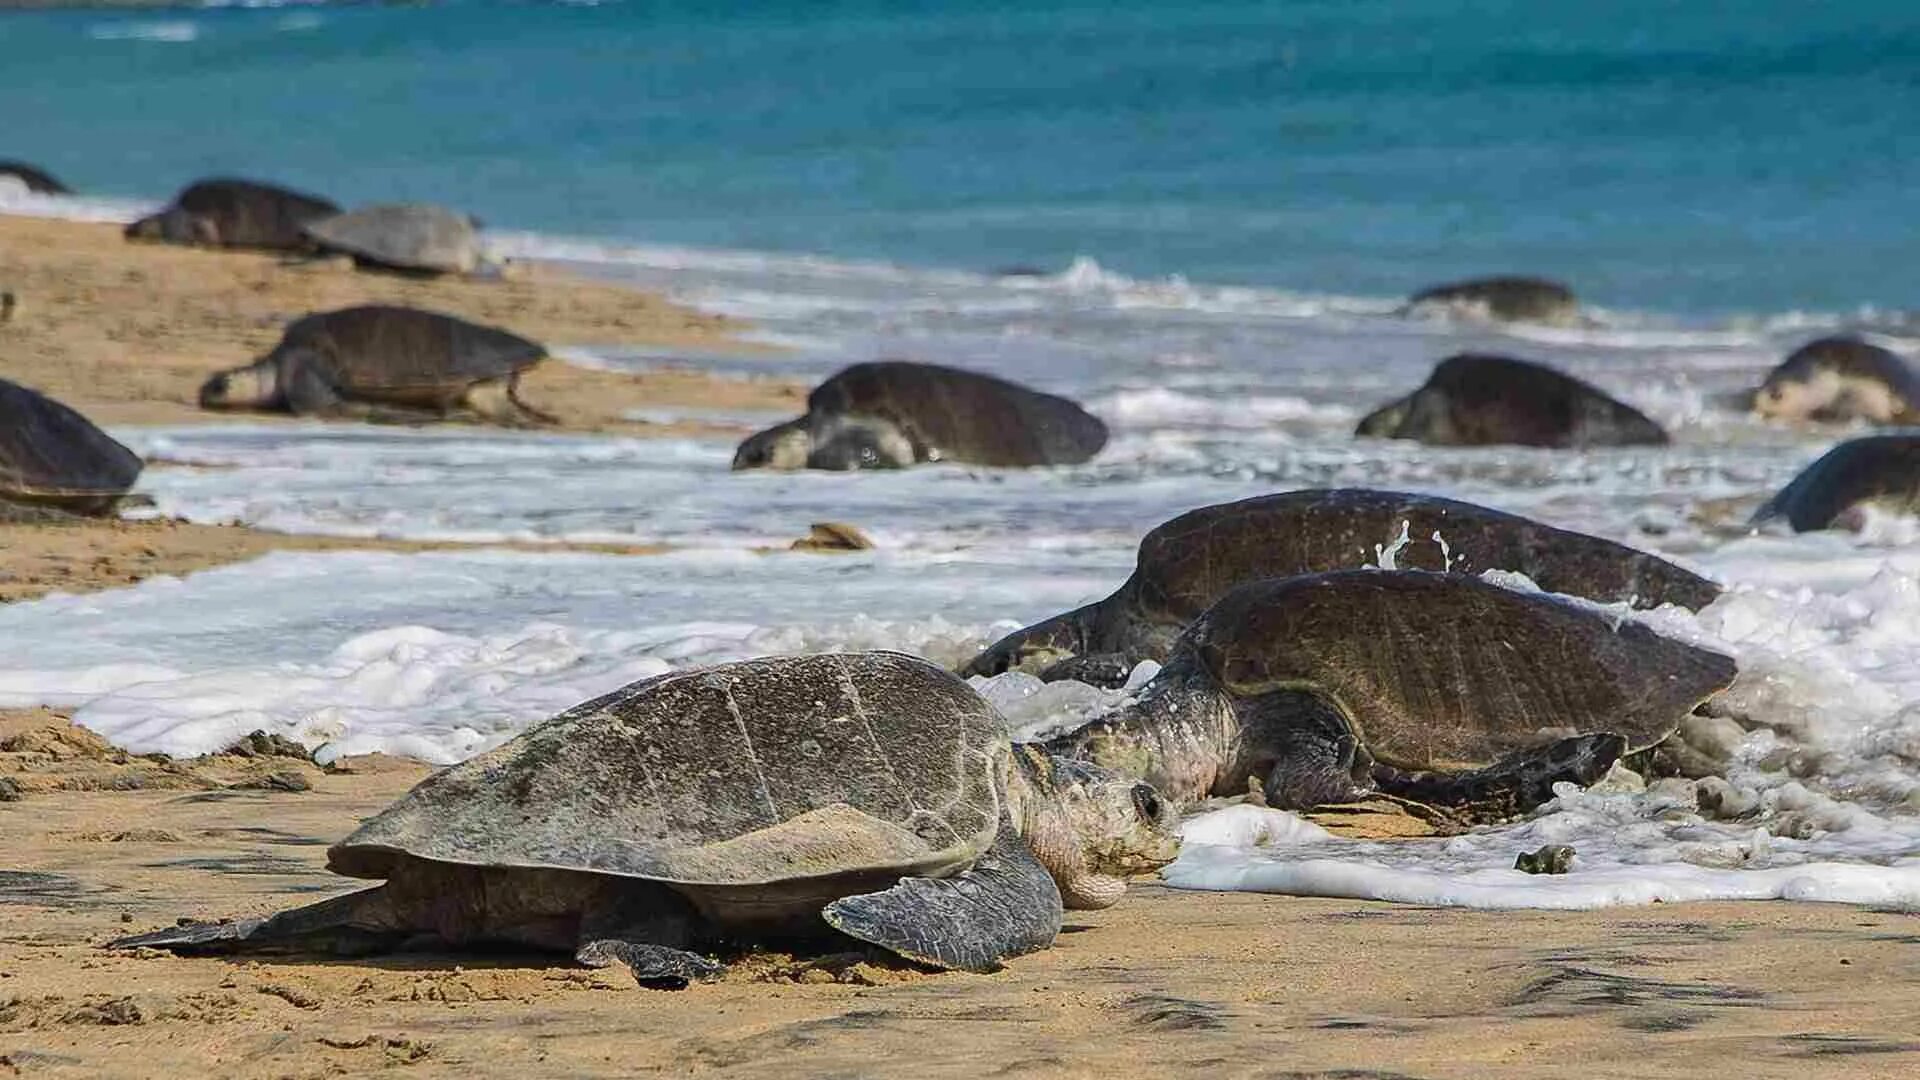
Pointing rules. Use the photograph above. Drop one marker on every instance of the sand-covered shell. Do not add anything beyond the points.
(405, 236)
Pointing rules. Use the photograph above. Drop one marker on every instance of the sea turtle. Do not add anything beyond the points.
(1841, 378)
(33, 178)
(1507, 298)
(872, 793)
(1189, 562)
(893, 413)
(54, 463)
(1442, 689)
(413, 237)
(1874, 471)
(225, 212)
(404, 359)
(1475, 399)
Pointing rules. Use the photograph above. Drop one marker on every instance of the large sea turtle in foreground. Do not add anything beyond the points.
(1503, 298)
(1189, 562)
(54, 463)
(1438, 688)
(1841, 378)
(870, 794)
(893, 413)
(413, 237)
(1872, 472)
(228, 212)
(405, 361)
(1477, 399)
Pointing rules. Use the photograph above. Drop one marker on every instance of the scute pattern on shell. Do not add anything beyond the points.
(1448, 671)
(765, 771)
(964, 415)
(49, 450)
(379, 347)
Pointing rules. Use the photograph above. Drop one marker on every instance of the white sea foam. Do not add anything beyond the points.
(173, 31)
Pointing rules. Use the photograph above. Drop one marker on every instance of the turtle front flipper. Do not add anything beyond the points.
(1304, 747)
(653, 965)
(1006, 905)
(1513, 785)
(1109, 671)
(356, 924)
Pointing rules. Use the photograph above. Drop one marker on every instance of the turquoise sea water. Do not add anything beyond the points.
(1688, 158)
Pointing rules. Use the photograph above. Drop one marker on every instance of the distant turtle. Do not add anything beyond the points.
(1189, 562)
(1875, 471)
(1474, 399)
(871, 793)
(1442, 689)
(1502, 298)
(894, 413)
(35, 179)
(225, 212)
(413, 237)
(1841, 378)
(55, 463)
(340, 362)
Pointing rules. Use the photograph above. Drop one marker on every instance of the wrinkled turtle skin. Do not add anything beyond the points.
(1875, 471)
(36, 179)
(1841, 378)
(1189, 562)
(1475, 399)
(895, 413)
(1438, 688)
(1511, 298)
(411, 237)
(337, 362)
(865, 795)
(55, 463)
(232, 213)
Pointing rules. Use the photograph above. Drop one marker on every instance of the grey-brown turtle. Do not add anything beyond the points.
(890, 414)
(1872, 472)
(1474, 399)
(1503, 298)
(870, 794)
(33, 178)
(54, 463)
(228, 212)
(1442, 689)
(1841, 378)
(1187, 563)
(410, 237)
(385, 362)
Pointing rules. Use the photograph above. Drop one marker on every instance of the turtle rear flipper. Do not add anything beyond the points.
(1513, 785)
(351, 925)
(1005, 905)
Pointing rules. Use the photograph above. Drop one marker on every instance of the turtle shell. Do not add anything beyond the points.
(1476, 399)
(1882, 469)
(1445, 671)
(411, 236)
(37, 180)
(50, 453)
(772, 770)
(377, 349)
(1189, 562)
(251, 214)
(954, 415)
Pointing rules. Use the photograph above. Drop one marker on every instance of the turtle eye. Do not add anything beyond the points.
(1147, 801)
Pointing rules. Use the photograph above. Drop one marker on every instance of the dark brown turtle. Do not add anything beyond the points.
(893, 413)
(412, 237)
(33, 178)
(1442, 689)
(1841, 378)
(1191, 561)
(1510, 298)
(788, 797)
(55, 463)
(364, 359)
(1878, 471)
(226, 212)
(1474, 399)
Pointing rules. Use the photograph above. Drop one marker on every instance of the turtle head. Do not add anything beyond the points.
(1040, 646)
(242, 388)
(174, 225)
(1093, 827)
(783, 446)
(1797, 396)
(1384, 422)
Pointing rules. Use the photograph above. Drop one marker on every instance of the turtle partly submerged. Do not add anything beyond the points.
(54, 463)
(414, 363)
(1441, 689)
(1189, 562)
(411, 237)
(1874, 471)
(871, 794)
(1480, 399)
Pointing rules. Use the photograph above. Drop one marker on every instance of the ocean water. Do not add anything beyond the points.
(1225, 202)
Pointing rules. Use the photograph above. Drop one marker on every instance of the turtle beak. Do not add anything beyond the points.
(216, 392)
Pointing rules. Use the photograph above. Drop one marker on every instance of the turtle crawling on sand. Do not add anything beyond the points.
(1874, 471)
(1441, 689)
(893, 413)
(1189, 562)
(870, 794)
(54, 463)
(1478, 399)
(411, 237)
(226, 212)
(413, 364)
